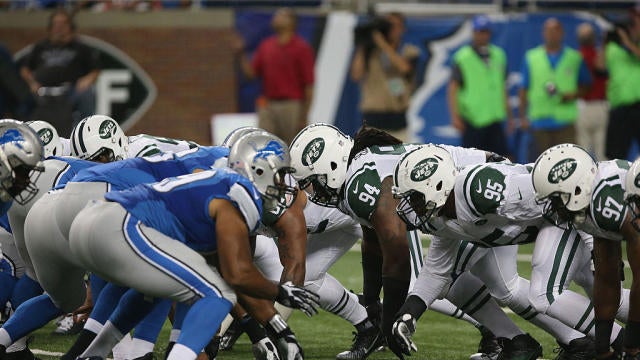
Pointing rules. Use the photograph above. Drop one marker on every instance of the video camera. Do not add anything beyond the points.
(363, 33)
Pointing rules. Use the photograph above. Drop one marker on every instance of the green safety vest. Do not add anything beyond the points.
(565, 78)
(481, 99)
(623, 87)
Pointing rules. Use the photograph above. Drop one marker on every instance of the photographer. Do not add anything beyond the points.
(384, 67)
(622, 58)
(553, 77)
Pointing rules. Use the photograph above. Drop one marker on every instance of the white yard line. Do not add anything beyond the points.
(50, 353)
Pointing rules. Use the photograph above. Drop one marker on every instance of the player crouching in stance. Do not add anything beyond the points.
(152, 238)
(590, 196)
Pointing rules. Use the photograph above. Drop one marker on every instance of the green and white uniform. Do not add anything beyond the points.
(147, 145)
(495, 208)
(330, 234)
(608, 209)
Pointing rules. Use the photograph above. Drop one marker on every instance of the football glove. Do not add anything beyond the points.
(402, 331)
(296, 297)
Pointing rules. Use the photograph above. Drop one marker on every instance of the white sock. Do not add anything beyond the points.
(139, 348)
(18, 345)
(623, 309)
(470, 294)
(181, 352)
(335, 299)
(225, 324)
(573, 310)
(122, 348)
(445, 307)
(5, 339)
(174, 335)
(106, 339)
(93, 326)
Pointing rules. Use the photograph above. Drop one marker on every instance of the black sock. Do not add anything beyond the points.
(364, 325)
(372, 277)
(632, 335)
(414, 306)
(603, 335)
(82, 343)
(255, 331)
(395, 293)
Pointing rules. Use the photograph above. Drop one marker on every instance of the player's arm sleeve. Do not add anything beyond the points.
(245, 202)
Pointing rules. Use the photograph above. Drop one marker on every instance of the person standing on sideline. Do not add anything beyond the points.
(62, 63)
(385, 69)
(622, 58)
(591, 126)
(477, 93)
(553, 77)
(285, 64)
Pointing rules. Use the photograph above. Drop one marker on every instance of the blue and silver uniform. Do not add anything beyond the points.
(73, 167)
(179, 207)
(131, 172)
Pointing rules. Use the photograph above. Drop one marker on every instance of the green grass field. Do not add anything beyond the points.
(438, 337)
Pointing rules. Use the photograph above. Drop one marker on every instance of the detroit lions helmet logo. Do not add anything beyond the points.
(273, 148)
(12, 136)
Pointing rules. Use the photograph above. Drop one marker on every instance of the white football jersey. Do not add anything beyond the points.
(147, 145)
(66, 146)
(371, 166)
(495, 205)
(608, 209)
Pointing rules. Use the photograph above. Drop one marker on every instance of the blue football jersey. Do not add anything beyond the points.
(179, 207)
(131, 172)
(74, 166)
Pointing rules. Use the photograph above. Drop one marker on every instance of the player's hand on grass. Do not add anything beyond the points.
(403, 329)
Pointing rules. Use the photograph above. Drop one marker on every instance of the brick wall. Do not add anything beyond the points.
(191, 67)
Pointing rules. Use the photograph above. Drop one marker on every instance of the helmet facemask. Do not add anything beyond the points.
(415, 210)
(280, 193)
(633, 201)
(556, 212)
(321, 193)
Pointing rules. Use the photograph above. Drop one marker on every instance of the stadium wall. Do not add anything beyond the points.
(185, 54)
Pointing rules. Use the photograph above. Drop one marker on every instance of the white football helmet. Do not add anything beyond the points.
(563, 176)
(632, 191)
(320, 153)
(264, 159)
(99, 135)
(21, 155)
(48, 136)
(237, 134)
(423, 180)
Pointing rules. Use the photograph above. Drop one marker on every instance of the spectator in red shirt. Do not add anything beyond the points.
(284, 62)
(591, 126)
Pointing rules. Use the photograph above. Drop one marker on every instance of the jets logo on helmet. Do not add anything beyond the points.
(107, 129)
(45, 135)
(312, 151)
(424, 169)
(562, 170)
(273, 148)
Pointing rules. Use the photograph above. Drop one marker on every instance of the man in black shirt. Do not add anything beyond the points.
(61, 61)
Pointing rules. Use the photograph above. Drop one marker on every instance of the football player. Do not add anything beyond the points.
(158, 222)
(356, 176)
(588, 195)
(493, 205)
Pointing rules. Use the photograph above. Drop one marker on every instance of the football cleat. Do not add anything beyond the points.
(230, 336)
(489, 347)
(265, 350)
(521, 347)
(212, 347)
(66, 326)
(578, 349)
(364, 343)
